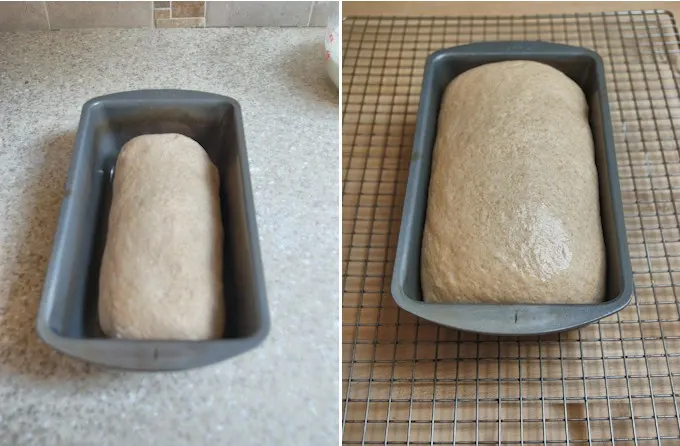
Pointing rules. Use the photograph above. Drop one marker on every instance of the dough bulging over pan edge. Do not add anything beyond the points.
(161, 271)
(513, 212)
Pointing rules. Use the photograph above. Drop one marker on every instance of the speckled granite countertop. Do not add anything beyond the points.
(285, 391)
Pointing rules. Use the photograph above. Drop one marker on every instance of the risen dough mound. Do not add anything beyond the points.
(513, 207)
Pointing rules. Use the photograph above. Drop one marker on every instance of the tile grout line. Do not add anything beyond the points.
(311, 12)
(47, 17)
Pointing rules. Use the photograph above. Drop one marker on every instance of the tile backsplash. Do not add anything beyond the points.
(37, 15)
(258, 13)
(69, 15)
(179, 14)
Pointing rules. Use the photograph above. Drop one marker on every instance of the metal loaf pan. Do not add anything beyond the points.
(67, 319)
(585, 68)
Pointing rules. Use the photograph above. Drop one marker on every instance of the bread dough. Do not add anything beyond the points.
(161, 271)
(513, 212)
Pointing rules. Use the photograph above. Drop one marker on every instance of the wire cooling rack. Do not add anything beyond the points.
(407, 381)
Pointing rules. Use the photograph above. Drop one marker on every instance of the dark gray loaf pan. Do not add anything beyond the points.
(67, 319)
(585, 68)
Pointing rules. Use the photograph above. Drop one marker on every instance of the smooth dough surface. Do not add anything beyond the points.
(161, 271)
(513, 212)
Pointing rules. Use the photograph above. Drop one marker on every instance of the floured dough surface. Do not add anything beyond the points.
(161, 271)
(513, 211)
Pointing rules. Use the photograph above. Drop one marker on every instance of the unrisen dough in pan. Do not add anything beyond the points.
(161, 272)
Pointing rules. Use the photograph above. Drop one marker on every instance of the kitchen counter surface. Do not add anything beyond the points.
(285, 391)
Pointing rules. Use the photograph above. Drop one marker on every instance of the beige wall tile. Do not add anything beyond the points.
(23, 16)
(257, 13)
(320, 12)
(194, 22)
(100, 14)
(215, 14)
(188, 9)
(161, 14)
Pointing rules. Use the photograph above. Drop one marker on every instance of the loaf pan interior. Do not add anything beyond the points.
(586, 69)
(68, 316)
